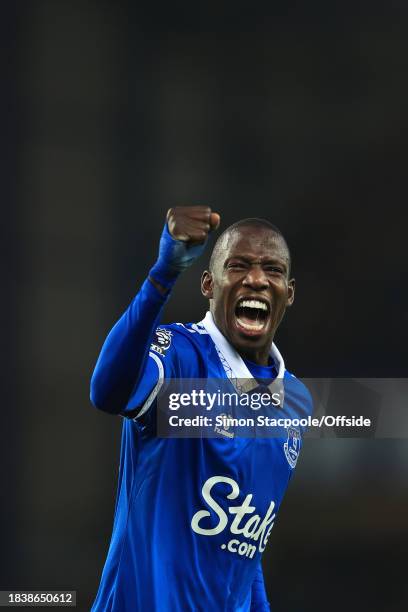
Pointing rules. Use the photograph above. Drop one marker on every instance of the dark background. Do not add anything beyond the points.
(114, 112)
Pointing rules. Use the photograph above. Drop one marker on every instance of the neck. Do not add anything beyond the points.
(258, 356)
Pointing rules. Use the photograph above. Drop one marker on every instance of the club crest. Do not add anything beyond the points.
(292, 446)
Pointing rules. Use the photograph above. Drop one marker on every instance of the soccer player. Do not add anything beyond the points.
(193, 515)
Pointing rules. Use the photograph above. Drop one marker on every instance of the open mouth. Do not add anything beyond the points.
(252, 314)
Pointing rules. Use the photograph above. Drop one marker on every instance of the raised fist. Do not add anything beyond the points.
(182, 241)
(192, 224)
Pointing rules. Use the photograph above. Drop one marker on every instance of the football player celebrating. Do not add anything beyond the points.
(193, 515)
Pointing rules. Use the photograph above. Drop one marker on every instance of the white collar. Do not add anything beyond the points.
(232, 362)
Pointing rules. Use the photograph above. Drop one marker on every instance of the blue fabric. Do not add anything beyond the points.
(175, 256)
(259, 600)
(264, 374)
(192, 516)
(124, 352)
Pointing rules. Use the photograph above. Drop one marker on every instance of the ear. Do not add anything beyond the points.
(207, 284)
(291, 292)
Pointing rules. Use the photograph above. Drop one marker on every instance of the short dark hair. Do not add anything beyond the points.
(250, 222)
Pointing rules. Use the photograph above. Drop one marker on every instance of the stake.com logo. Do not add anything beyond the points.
(254, 529)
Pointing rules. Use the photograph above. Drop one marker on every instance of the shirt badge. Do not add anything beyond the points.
(162, 341)
(292, 446)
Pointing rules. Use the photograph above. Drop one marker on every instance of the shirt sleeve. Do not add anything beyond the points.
(160, 365)
(124, 355)
(259, 600)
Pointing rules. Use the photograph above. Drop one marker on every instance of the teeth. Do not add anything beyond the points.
(251, 326)
(253, 304)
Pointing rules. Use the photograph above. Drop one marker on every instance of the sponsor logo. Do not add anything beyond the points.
(224, 429)
(240, 520)
(292, 446)
(162, 341)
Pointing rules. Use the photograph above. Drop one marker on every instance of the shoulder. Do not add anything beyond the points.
(180, 334)
(299, 392)
(181, 340)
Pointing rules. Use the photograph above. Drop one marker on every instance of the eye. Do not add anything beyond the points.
(273, 269)
(236, 265)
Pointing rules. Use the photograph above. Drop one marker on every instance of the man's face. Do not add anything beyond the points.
(249, 289)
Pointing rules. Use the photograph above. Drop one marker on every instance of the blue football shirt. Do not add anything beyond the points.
(192, 516)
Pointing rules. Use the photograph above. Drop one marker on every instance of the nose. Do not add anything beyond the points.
(255, 278)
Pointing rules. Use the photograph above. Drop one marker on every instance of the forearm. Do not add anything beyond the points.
(162, 290)
(124, 352)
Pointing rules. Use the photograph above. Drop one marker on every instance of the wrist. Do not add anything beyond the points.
(163, 274)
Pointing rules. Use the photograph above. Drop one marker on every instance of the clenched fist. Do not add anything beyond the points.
(192, 223)
(182, 241)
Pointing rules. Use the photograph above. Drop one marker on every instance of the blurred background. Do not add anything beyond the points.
(113, 113)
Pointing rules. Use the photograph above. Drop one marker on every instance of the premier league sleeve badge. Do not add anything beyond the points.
(161, 341)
